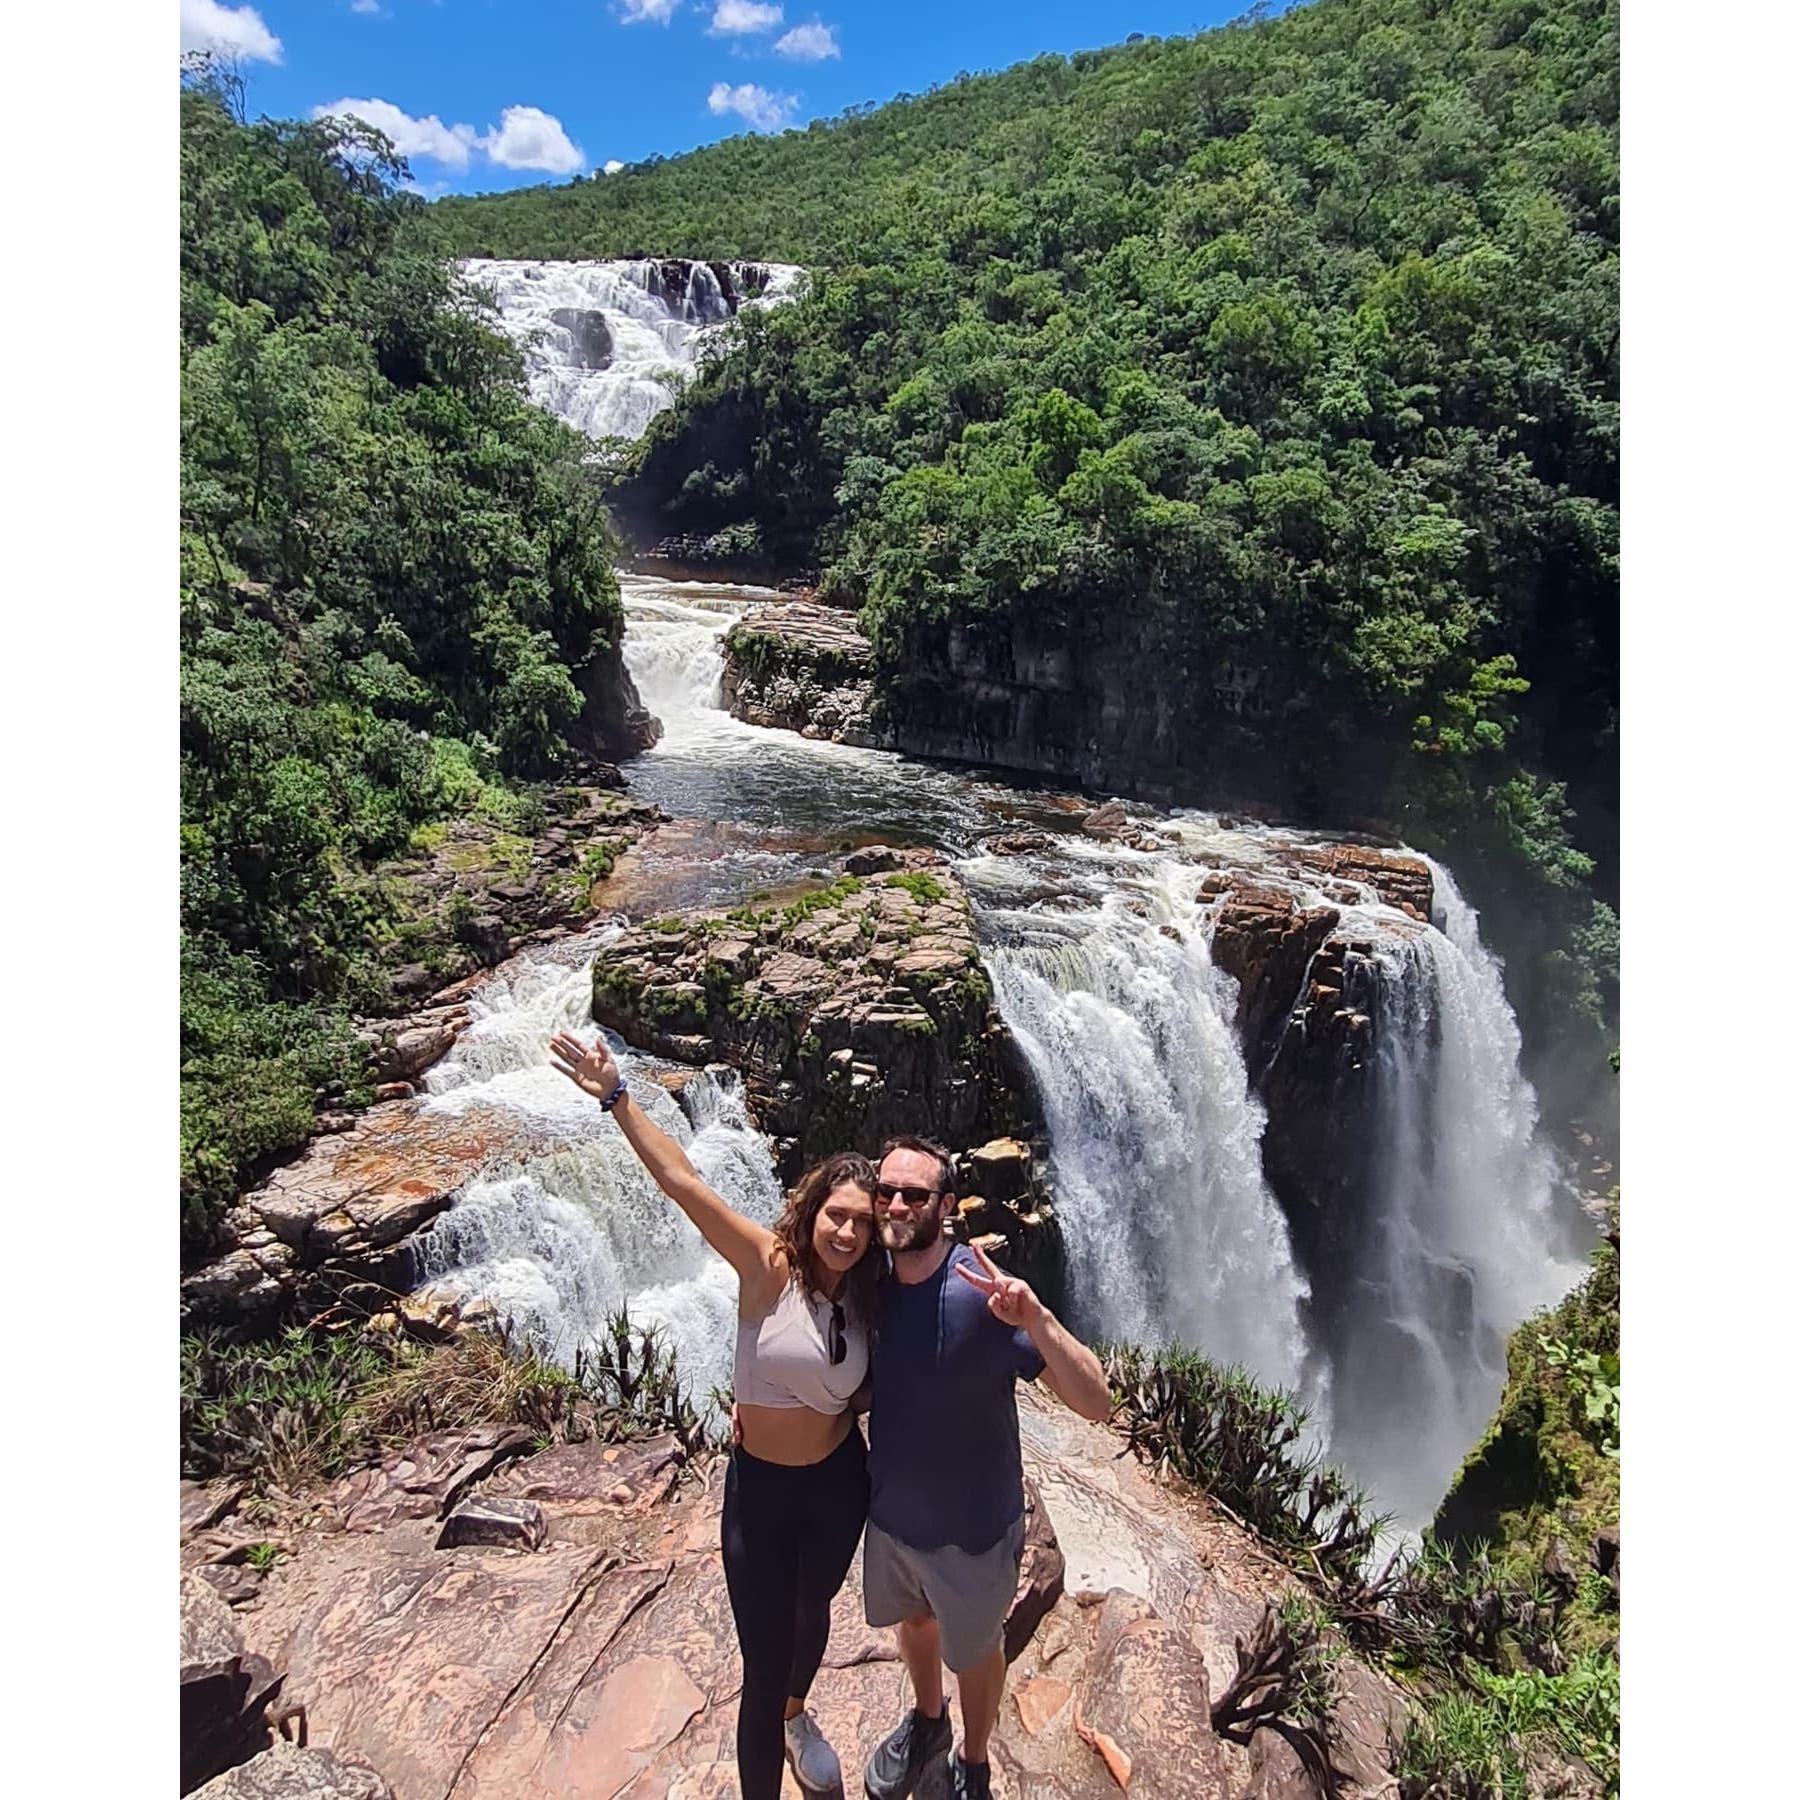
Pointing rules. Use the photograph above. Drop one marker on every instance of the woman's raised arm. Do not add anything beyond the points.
(750, 1248)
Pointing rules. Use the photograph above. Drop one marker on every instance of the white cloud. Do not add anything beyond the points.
(230, 30)
(527, 137)
(742, 18)
(365, 6)
(429, 136)
(657, 12)
(530, 138)
(611, 168)
(809, 43)
(755, 105)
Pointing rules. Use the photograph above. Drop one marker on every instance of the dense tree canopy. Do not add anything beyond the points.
(393, 571)
(1296, 342)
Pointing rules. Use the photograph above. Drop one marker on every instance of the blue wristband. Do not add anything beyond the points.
(614, 1097)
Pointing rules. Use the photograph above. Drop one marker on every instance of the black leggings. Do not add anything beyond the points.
(788, 1536)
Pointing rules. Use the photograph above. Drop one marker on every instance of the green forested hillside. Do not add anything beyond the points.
(1292, 345)
(393, 570)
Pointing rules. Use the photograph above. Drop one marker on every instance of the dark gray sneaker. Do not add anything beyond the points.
(968, 1781)
(905, 1754)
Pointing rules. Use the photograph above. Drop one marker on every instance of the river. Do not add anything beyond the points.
(1100, 959)
(1100, 962)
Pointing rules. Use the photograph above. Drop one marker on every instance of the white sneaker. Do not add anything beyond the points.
(815, 1763)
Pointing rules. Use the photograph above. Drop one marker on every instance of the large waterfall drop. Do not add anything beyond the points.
(1462, 1238)
(1155, 1137)
(606, 342)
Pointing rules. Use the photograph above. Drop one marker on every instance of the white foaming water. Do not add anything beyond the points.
(603, 347)
(561, 1244)
(1155, 1137)
(1462, 1241)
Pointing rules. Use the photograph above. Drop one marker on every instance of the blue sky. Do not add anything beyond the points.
(488, 94)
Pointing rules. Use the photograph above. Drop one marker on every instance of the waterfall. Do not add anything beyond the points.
(1393, 1333)
(1155, 1137)
(604, 345)
(561, 1243)
(1460, 1238)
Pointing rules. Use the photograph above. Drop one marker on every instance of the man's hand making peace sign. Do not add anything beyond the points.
(1009, 1299)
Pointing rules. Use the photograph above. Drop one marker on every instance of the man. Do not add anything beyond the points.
(947, 1499)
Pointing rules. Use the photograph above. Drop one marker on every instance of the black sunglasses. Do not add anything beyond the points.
(840, 1343)
(913, 1196)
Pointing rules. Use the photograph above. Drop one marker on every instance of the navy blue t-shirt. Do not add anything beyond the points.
(943, 1422)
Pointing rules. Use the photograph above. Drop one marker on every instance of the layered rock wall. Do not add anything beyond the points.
(853, 1012)
(802, 667)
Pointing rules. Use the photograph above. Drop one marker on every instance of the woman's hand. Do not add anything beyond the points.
(593, 1071)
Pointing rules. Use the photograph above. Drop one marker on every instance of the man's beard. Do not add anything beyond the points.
(922, 1232)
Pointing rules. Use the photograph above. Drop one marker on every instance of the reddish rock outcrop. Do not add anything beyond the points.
(427, 1478)
(345, 1209)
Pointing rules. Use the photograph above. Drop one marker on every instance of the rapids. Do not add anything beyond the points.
(1100, 961)
(1101, 964)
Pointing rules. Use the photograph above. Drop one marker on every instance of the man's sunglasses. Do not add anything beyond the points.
(913, 1196)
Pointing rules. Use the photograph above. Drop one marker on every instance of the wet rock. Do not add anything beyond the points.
(1008, 1211)
(614, 722)
(1398, 879)
(591, 337)
(882, 859)
(1266, 940)
(1017, 843)
(427, 1478)
(286, 1772)
(485, 934)
(494, 1521)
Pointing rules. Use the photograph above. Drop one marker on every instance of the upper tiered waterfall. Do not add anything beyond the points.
(605, 342)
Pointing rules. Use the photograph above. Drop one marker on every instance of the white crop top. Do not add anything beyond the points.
(784, 1358)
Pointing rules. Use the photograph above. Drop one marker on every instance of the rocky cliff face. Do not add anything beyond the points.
(1123, 712)
(802, 667)
(613, 722)
(1307, 1018)
(853, 1011)
(472, 1620)
(1125, 709)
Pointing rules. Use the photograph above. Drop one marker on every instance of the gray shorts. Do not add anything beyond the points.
(969, 1596)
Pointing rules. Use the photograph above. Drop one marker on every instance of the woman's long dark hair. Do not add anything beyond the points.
(794, 1230)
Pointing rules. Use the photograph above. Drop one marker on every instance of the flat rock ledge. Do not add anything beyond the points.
(604, 1663)
(344, 1210)
(799, 666)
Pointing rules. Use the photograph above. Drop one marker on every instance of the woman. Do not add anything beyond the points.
(797, 1489)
